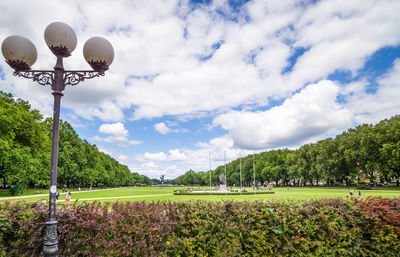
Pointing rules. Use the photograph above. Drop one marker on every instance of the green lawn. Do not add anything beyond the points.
(6, 193)
(165, 194)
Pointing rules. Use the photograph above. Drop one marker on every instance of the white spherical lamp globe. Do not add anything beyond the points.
(19, 52)
(99, 53)
(60, 38)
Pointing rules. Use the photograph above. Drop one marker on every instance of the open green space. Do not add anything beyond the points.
(165, 194)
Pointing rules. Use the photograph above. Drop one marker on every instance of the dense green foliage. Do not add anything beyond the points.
(17, 189)
(327, 227)
(25, 148)
(365, 153)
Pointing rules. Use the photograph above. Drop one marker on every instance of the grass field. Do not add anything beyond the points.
(165, 194)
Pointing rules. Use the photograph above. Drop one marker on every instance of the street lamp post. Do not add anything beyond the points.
(21, 54)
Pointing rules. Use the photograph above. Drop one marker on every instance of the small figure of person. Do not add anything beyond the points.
(359, 194)
(57, 195)
(68, 198)
(352, 192)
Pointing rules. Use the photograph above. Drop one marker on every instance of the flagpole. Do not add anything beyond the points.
(209, 155)
(240, 158)
(254, 174)
(226, 178)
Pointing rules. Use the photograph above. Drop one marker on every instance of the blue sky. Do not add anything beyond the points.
(193, 77)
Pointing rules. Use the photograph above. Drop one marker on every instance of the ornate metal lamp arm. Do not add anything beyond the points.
(73, 77)
(43, 77)
(46, 77)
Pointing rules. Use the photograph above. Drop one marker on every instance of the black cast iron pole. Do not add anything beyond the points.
(58, 79)
(51, 239)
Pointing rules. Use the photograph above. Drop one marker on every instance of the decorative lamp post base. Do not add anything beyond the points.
(50, 248)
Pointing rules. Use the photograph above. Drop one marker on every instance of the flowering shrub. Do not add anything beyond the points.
(326, 227)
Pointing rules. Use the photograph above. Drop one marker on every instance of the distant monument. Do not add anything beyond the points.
(162, 180)
(222, 179)
(222, 183)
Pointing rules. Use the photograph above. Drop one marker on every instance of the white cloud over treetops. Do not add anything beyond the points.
(311, 112)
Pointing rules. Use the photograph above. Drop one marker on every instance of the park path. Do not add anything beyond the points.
(113, 197)
(85, 199)
(63, 193)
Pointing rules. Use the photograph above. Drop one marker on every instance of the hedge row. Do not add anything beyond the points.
(327, 227)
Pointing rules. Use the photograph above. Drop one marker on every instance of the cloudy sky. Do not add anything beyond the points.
(193, 77)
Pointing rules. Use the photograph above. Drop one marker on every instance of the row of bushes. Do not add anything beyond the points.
(327, 227)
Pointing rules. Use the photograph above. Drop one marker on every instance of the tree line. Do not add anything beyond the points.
(25, 152)
(367, 153)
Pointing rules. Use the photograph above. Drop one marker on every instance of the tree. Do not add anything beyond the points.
(25, 147)
(389, 164)
(23, 143)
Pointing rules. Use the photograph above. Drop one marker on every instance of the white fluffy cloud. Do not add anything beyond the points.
(119, 135)
(162, 128)
(172, 155)
(117, 129)
(154, 170)
(168, 62)
(122, 158)
(119, 140)
(311, 112)
(165, 128)
(342, 34)
(198, 158)
(373, 107)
